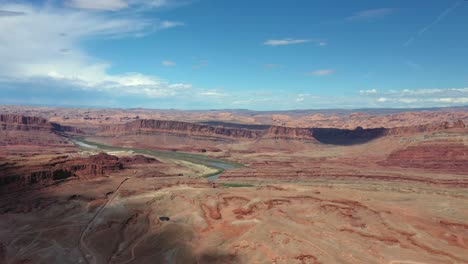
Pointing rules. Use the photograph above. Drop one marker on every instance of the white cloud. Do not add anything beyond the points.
(424, 97)
(213, 93)
(10, 13)
(322, 72)
(447, 100)
(370, 14)
(168, 63)
(33, 45)
(284, 42)
(254, 101)
(153, 3)
(429, 91)
(371, 91)
(115, 5)
(108, 5)
(170, 24)
(460, 100)
(290, 41)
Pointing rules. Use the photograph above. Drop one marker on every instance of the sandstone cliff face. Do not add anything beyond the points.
(289, 133)
(424, 128)
(179, 127)
(28, 130)
(63, 167)
(324, 135)
(14, 122)
(443, 156)
(25, 123)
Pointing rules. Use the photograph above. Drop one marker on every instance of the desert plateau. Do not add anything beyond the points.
(77, 188)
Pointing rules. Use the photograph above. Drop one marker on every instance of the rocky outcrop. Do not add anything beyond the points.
(24, 123)
(138, 159)
(397, 131)
(433, 156)
(32, 123)
(63, 167)
(29, 130)
(289, 133)
(458, 124)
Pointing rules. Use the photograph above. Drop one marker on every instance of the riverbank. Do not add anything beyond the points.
(219, 165)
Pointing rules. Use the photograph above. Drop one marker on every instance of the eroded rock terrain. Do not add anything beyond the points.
(86, 191)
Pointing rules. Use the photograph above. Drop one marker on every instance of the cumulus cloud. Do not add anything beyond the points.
(45, 43)
(421, 97)
(322, 72)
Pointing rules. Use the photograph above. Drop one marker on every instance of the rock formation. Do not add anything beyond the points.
(324, 135)
(179, 127)
(424, 128)
(431, 156)
(63, 167)
(29, 130)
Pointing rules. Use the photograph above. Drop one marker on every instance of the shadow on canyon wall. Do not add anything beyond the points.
(346, 137)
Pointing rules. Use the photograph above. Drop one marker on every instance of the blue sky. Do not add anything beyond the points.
(212, 54)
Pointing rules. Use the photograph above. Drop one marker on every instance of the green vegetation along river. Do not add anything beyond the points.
(219, 164)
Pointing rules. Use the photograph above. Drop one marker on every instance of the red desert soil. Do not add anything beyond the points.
(390, 193)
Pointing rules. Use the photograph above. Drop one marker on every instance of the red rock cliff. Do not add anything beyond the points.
(179, 127)
(63, 167)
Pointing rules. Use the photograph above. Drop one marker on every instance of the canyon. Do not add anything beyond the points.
(374, 186)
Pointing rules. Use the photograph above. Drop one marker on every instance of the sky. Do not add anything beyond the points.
(244, 54)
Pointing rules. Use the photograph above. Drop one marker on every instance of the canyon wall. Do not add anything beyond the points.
(23, 174)
(30, 130)
(179, 127)
(324, 135)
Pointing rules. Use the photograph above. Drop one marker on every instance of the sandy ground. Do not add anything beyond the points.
(265, 223)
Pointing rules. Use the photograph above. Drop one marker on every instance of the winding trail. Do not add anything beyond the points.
(83, 247)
